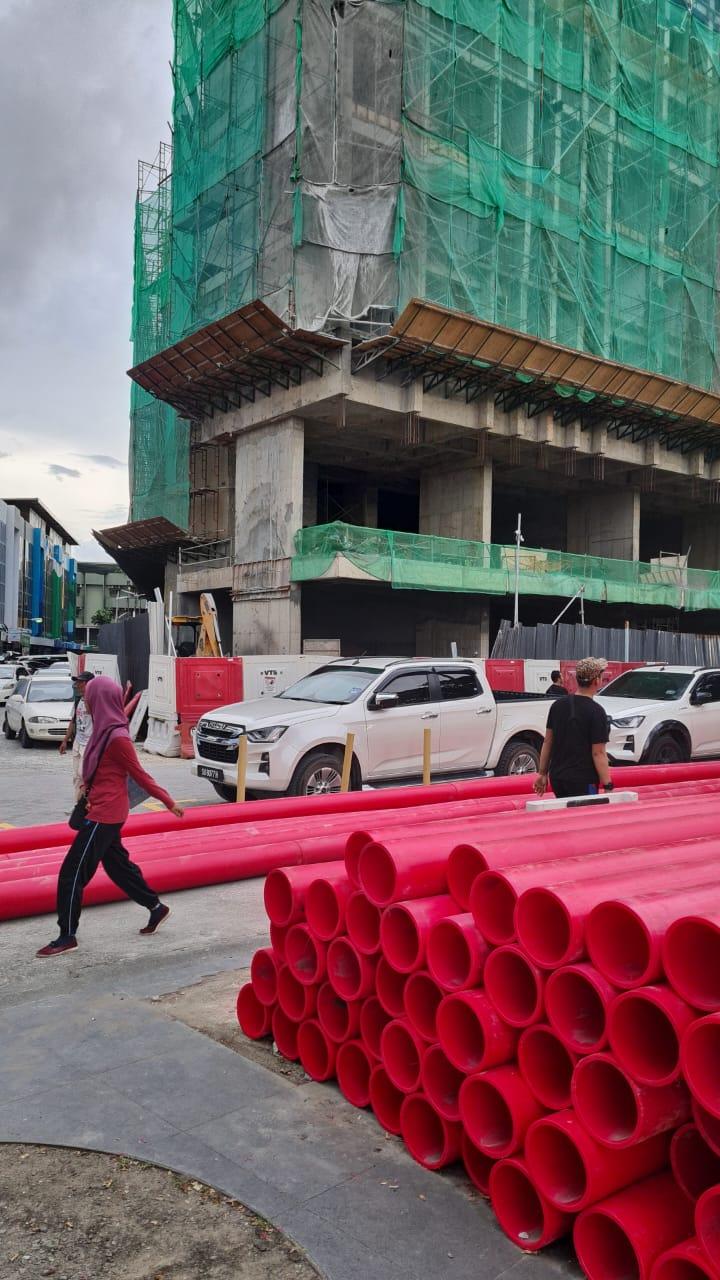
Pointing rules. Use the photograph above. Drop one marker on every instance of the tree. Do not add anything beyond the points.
(101, 616)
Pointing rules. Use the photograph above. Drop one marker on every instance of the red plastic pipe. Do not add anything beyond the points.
(700, 1060)
(456, 952)
(385, 1099)
(305, 955)
(577, 999)
(286, 888)
(431, 1140)
(285, 1034)
(421, 998)
(573, 1170)
(411, 867)
(405, 927)
(546, 1065)
(339, 1019)
(526, 1216)
(685, 1261)
(515, 985)
(325, 904)
(297, 1000)
(478, 1166)
(624, 935)
(497, 1109)
(354, 1067)
(691, 955)
(402, 1051)
(317, 1051)
(362, 921)
(708, 1125)
(390, 988)
(373, 1021)
(465, 864)
(617, 1110)
(351, 973)
(707, 1223)
(695, 1165)
(255, 1018)
(645, 1027)
(626, 1233)
(441, 1082)
(278, 934)
(471, 1031)
(264, 970)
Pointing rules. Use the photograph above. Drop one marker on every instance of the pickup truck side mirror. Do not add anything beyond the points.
(701, 697)
(383, 700)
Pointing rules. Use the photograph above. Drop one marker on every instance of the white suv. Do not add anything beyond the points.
(662, 714)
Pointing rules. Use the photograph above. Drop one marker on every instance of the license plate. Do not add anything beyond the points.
(206, 771)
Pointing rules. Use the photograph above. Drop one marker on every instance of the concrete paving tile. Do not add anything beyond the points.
(82, 1113)
(341, 1256)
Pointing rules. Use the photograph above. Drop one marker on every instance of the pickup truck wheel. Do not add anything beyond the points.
(9, 733)
(518, 757)
(317, 775)
(666, 750)
(225, 792)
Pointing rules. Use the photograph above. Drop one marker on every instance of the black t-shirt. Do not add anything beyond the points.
(557, 691)
(578, 724)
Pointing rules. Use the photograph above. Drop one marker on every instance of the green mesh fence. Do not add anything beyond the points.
(424, 562)
(552, 165)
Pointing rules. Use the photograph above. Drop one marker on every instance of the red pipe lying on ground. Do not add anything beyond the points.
(497, 1109)
(264, 971)
(405, 929)
(695, 1166)
(354, 1068)
(373, 1021)
(390, 988)
(515, 985)
(645, 1028)
(316, 1050)
(700, 1058)
(286, 887)
(707, 1224)
(577, 1000)
(617, 1110)
(385, 1099)
(524, 1213)
(478, 1166)
(325, 904)
(305, 955)
(401, 1052)
(296, 1000)
(255, 1018)
(691, 955)
(456, 952)
(624, 1235)
(624, 936)
(685, 1261)
(708, 1125)
(441, 1082)
(547, 1066)
(339, 1019)
(285, 1034)
(471, 1032)
(362, 921)
(351, 973)
(432, 1141)
(573, 1170)
(421, 999)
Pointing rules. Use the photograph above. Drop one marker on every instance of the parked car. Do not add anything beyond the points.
(296, 739)
(38, 709)
(663, 714)
(7, 681)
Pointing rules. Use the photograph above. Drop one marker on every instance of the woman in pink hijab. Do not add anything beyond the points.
(110, 760)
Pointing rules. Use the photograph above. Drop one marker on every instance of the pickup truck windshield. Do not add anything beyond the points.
(648, 686)
(336, 685)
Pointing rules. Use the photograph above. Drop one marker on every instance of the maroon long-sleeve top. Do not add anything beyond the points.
(108, 797)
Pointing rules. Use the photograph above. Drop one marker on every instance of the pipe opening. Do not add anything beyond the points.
(285, 1035)
(692, 961)
(344, 969)
(304, 954)
(544, 926)
(322, 910)
(400, 1056)
(373, 1021)
(356, 842)
(422, 998)
(487, 1117)
(701, 1059)
(294, 999)
(696, 1167)
(264, 976)
(618, 943)
(400, 938)
(513, 987)
(676, 1267)
(464, 866)
(462, 1034)
(604, 1100)
(707, 1221)
(254, 1017)
(333, 1013)
(279, 902)
(547, 1066)
(575, 1010)
(316, 1054)
(353, 1073)
(477, 1165)
(362, 921)
(390, 988)
(604, 1250)
(386, 1100)
(517, 1205)
(556, 1157)
(492, 902)
(423, 1132)
(449, 957)
(644, 1038)
(376, 872)
(442, 1082)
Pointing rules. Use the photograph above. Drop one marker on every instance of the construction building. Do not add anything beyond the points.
(414, 267)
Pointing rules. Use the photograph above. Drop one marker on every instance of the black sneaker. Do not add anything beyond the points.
(157, 915)
(59, 946)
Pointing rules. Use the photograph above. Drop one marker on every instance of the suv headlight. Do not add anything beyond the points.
(42, 720)
(271, 734)
(629, 722)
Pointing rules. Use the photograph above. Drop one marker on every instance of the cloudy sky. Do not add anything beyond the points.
(85, 92)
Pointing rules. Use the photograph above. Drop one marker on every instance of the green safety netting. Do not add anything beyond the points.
(552, 165)
(428, 563)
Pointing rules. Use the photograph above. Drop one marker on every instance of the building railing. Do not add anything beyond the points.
(205, 555)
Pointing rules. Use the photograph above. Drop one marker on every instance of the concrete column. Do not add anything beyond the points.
(604, 522)
(472, 636)
(457, 503)
(310, 494)
(701, 533)
(268, 513)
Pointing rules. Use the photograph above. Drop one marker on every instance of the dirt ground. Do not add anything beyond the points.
(79, 1215)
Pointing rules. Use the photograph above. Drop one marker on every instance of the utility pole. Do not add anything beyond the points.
(518, 542)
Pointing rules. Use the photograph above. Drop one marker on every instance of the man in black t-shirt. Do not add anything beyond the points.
(556, 688)
(574, 753)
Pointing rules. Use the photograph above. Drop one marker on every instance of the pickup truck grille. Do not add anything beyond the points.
(214, 743)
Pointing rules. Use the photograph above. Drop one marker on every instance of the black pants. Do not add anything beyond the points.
(97, 842)
(563, 788)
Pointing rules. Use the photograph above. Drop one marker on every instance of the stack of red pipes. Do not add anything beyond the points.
(540, 1001)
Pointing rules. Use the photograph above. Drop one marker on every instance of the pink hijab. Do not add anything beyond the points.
(104, 700)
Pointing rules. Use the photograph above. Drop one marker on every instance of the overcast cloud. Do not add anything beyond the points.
(85, 92)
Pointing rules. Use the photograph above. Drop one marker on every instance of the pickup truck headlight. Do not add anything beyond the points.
(629, 722)
(271, 734)
(42, 719)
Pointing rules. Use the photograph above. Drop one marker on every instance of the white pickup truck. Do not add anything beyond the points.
(663, 714)
(296, 739)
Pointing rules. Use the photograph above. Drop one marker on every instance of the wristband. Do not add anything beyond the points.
(609, 786)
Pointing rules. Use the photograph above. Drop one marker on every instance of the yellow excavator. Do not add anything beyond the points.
(205, 642)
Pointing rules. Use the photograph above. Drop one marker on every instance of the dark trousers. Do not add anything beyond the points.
(572, 787)
(95, 843)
